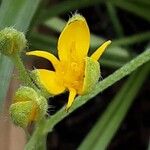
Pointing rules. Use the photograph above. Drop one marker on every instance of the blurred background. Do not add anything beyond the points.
(127, 24)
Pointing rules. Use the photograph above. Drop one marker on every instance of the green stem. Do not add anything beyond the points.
(107, 125)
(18, 14)
(136, 81)
(48, 125)
(40, 137)
(23, 74)
(42, 145)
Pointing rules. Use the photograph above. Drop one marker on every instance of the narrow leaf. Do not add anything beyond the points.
(107, 125)
(16, 13)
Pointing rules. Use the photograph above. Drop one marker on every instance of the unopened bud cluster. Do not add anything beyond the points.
(28, 106)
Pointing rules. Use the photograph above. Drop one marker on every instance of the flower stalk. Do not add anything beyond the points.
(23, 74)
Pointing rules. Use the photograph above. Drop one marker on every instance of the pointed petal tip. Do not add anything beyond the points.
(28, 53)
(76, 17)
(108, 42)
(97, 54)
(31, 52)
(45, 55)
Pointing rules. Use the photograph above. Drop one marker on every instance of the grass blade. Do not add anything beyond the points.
(16, 13)
(133, 39)
(139, 8)
(66, 6)
(107, 125)
(114, 19)
(5, 71)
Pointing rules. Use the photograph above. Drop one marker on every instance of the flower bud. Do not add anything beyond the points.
(28, 106)
(11, 41)
(92, 75)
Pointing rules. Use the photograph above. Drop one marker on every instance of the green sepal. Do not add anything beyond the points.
(92, 75)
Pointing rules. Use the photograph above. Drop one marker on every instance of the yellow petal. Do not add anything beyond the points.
(45, 55)
(74, 40)
(72, 94)
(50, 81)
(97, 54)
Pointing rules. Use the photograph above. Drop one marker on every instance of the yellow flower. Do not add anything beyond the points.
(70, 69)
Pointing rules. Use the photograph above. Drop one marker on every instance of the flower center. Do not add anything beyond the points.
(71, 74)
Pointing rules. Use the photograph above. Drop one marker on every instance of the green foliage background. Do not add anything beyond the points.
(26, 15)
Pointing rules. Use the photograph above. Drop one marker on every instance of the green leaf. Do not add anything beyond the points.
(66, 6)
(16, 13)
(140, 8)
(48, 125)
(107, 125)
(5, 71)
(114, 19)
(133, 39)
(43, 42)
